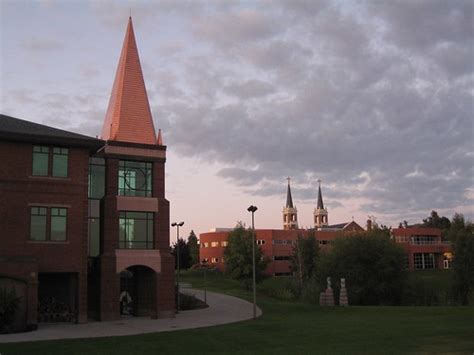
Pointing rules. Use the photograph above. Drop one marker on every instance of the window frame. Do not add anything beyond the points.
(52, 152)
(49, 223)
(149, 244)
(134, 191)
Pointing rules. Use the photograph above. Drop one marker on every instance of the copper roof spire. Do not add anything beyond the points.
(128, 116)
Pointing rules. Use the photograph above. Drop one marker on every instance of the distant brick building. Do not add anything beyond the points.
(277, 244)
(84, 223)
(425, 248)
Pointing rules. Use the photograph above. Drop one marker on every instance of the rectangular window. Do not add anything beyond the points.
(60, 162)
(281, 257)
(224, 243)
(135, 178)
(214, 260)
(40, 160)
(260, 241)
(214, 244)
(136, 230)
(38, 223)
(94, 227)
(55, 230)
(58, 224)
(424, 261)
(96, 178)
(205, 245)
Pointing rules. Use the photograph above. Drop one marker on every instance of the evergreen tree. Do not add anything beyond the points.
(193, 248)
(184, 256)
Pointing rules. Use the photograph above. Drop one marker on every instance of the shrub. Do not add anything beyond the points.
(9, 304)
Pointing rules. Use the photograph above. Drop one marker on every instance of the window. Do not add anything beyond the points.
(136, 230)
(423, 239)
(58, 223)
(40, 160)
(224, 243)
(205, 245)
(38, 223)
(260, 241)
(94, 227)
(135, 178)
(43, 155)
(424, 261)
(214, 260)
(55, 230)
(278, 241)
(60, 159)
(96, 178)
(281, 257)
(214, 244)
(283, 274)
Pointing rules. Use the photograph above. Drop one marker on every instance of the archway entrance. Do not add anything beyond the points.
(137, 291)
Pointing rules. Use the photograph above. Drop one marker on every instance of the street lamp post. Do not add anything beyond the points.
(252, 209)
(204, 264)
(177, 225)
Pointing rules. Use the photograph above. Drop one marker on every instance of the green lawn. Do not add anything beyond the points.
(292, 328)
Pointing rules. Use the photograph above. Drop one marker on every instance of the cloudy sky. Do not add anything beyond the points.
(375, 98)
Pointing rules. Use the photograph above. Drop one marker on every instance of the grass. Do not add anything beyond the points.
(290, 327)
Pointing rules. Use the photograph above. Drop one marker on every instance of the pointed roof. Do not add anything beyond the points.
(320, 205)
(289, 200)
(128, 116)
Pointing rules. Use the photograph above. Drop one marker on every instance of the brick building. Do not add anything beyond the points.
(277, 244)
(84, 223)
(425, 248)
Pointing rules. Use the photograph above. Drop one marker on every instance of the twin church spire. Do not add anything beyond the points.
(290, 213)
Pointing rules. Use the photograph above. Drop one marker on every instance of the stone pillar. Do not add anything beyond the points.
(343, 294)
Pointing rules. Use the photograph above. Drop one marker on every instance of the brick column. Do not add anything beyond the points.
(109, 289)
(165, 291)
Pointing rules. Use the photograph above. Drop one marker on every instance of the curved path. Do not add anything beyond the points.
(222, 309)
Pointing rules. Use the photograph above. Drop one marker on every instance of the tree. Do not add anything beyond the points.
(184, 256)
(435, 221)
(238, 257)
(303, 260)
(372, 265)
(193, 247)
(461, 234)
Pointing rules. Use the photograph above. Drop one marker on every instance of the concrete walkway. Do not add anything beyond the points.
(222, 309)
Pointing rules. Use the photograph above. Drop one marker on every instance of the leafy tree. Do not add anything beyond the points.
(461, 235)
(303, 260)
(435, 221)
(184, 255)
(238, 257)
(193, 248)
(372, 265)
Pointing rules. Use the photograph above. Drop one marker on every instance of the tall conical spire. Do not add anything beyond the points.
(289, 200)
(128, 117)
(320, 213)
(290, 214)
(320, 205)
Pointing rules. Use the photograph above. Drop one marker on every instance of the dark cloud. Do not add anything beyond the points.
(379, 113)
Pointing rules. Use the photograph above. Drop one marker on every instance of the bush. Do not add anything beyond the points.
(285, 288)
(9, 304)
(189, 302)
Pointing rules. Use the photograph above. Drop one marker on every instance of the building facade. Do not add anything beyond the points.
(277, 244)
(84, 222)
(424, 247)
